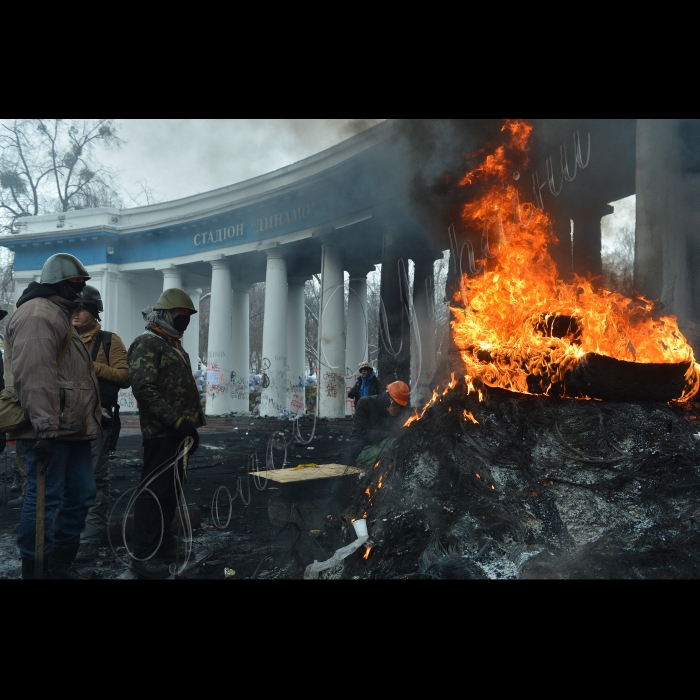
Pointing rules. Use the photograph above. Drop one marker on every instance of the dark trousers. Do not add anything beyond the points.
(70, 491)
(157, 452)
(96, 523)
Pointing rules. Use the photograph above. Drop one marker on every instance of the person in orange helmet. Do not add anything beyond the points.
(377, 418)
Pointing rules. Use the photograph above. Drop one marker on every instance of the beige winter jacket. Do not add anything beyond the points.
(114, 368)
(61, 402)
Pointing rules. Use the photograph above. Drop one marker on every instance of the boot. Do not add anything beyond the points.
(60, 564)
(151, 568)
(167, 551)
(86, 553)
(16, 482)
(27, 569)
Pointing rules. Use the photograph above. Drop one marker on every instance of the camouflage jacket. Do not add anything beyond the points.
(163, 385)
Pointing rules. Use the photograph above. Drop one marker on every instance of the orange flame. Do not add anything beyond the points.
(425, 408)
(468, 415)
(503, 327)
(379, 485)
(451, 385)
(367, 551)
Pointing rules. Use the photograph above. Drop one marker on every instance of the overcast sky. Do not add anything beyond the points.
(180, 157)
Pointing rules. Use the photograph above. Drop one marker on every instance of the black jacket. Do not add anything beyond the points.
(375, 388)
(372, 422)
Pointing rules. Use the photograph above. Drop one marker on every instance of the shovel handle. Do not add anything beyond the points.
(40, 521)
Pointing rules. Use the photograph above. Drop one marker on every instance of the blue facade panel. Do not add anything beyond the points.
(339, 194)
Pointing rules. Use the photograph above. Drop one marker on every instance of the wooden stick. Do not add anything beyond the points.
(40, 520)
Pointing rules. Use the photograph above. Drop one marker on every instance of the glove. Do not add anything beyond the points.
(3, 444)
(185, 429)
(44, 449)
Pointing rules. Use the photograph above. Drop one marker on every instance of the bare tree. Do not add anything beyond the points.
(373, 302)
(618, 263)
(312, 299)
(146, 193)
(50, 165)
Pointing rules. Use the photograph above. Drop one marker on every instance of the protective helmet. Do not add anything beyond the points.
(365, 365)
(399, 391)
(91, 297)
(175, 299)
(61, 267)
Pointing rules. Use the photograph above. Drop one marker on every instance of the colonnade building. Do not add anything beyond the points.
(387, 195)
(335, 212)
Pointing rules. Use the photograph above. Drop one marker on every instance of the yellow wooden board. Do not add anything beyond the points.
(323, 471)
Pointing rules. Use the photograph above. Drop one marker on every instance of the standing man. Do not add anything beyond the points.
(367, 384)
(51, 372)
(169, 411)
(109, 360)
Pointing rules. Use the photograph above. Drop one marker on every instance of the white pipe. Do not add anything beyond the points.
(312, 570)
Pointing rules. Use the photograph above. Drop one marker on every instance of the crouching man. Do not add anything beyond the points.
(109, 360)
(49, 368)
(375, 423)
(169, 411)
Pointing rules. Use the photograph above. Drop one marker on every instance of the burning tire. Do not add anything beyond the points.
(602, 377)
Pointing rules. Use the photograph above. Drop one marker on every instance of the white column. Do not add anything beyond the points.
(219, 353)
(120, 315)
(331, 343)
(296, 362)
(240, 347)
(190, 341)
(107, 285)
(274, 363)
(423, 358)
(356, 338)
(172, 278)
(123, 316)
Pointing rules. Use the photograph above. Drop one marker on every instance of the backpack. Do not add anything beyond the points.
(109, 391)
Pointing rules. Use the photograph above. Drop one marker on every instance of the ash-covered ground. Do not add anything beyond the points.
(262, 539)
(538, 488)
